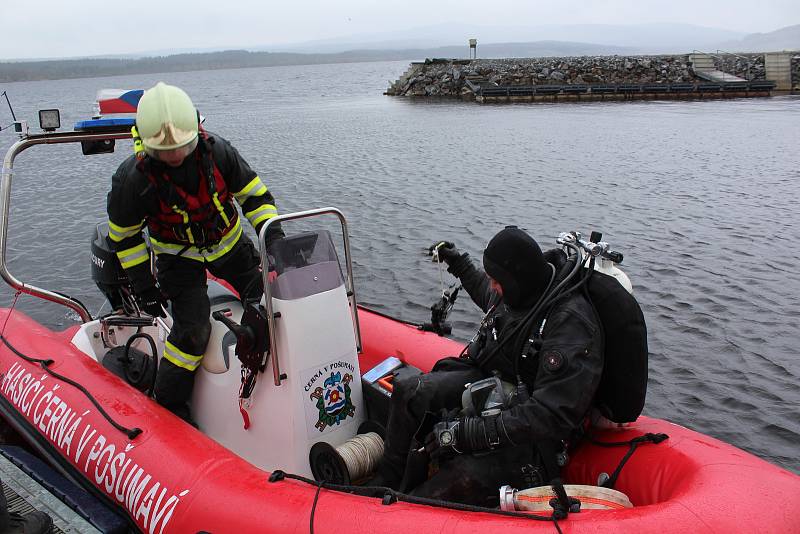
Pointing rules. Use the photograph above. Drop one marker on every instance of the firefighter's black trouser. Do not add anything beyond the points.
(184, 283)
(467, 478)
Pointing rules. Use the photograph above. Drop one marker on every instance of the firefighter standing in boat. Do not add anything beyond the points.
(180, 185)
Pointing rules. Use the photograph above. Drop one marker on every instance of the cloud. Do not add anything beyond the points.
(54, 28)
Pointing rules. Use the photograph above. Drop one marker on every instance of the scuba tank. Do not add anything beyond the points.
(622, 390)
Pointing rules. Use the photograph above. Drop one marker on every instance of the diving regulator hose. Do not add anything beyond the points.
(548, 298)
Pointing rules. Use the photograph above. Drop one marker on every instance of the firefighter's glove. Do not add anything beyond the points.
(274, 234)
(152, 301)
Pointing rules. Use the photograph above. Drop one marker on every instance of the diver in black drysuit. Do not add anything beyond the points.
(559, 372)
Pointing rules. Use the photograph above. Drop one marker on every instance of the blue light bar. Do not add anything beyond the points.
(104, 125)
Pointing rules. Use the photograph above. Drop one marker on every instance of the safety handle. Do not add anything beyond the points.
(244, 335)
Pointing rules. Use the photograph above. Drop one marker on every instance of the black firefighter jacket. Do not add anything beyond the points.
(132, 200)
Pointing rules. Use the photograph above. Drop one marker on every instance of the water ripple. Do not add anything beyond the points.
(699, 196)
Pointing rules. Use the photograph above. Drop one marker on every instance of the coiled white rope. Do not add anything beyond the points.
(361, 454)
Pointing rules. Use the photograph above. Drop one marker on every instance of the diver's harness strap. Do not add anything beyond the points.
(490, 426)
(633, 444)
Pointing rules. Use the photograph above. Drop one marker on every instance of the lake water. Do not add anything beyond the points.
(701, 197)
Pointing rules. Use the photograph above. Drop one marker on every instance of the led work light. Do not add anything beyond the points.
(49, 119)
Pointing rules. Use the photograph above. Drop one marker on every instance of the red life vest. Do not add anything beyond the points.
(192, 219)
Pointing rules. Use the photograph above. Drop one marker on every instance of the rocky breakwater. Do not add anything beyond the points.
(457, 78)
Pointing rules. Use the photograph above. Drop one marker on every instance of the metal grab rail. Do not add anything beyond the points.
(5, 201)
(351, 292)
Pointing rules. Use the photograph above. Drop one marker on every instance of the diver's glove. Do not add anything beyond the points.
(464, 435)
(152, 301)
(449, 254)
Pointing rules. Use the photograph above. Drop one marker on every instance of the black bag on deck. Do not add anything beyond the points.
(623, 387)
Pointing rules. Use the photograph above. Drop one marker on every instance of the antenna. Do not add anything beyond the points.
(14, 117)
(9, 107)
(21, 127)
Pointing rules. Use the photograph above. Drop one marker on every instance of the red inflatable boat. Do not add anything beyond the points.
(172, 478)
(91, 417)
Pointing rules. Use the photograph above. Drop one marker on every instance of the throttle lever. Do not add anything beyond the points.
(245, 337)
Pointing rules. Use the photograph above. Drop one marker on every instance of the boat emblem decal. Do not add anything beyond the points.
(333, 400)
(330, 396)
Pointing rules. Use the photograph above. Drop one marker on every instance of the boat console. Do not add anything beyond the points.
(266, 390)
(315, 391)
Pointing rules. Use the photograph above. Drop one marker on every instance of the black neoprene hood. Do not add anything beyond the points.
(515, 261)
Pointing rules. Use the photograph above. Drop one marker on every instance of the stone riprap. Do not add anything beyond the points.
(448, 78)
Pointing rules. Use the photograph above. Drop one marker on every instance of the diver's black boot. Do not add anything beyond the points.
(416, 471)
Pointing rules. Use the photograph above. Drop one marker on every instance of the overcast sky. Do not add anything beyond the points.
(64, 28)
